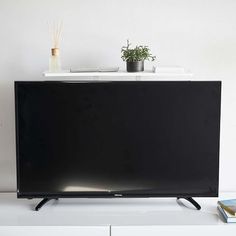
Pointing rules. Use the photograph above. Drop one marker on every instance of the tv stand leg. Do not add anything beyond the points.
(191, 200)
(43, 202)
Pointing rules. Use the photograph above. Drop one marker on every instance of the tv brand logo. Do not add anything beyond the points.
(118, 195)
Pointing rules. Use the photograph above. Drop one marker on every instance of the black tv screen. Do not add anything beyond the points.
(123, 138)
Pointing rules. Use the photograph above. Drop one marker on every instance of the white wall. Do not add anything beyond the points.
(197, 34)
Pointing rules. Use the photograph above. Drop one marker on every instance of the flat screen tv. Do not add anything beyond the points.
(117, 139)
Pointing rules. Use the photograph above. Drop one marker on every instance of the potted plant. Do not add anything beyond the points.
(135, 57)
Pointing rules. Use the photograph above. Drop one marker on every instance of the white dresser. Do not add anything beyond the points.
(111, 217)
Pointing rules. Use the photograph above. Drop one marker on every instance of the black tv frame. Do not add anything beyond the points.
(55, 196)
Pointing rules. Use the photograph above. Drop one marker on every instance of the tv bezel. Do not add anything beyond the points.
(123, 194)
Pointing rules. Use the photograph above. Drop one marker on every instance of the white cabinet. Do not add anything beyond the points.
(111, 217)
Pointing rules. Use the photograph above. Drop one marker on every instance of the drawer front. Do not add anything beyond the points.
(171, 230)
(54, 231)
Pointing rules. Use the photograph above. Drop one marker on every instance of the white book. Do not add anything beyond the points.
(227, 216)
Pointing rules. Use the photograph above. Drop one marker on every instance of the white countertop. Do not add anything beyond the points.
(115, 212)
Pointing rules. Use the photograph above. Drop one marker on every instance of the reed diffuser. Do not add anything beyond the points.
(54, 60)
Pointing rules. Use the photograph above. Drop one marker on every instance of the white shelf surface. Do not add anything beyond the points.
(110, 212)
(67, 73)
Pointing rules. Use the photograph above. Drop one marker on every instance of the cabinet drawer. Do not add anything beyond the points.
(54, 230)
(172, 230)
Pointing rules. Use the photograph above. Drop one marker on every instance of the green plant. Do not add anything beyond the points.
(139, 53)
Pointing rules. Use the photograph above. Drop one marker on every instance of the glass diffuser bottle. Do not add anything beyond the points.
(54, 60)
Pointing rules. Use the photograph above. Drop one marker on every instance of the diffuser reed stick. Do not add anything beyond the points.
(55, 31)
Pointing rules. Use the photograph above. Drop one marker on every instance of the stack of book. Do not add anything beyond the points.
(227, 208)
